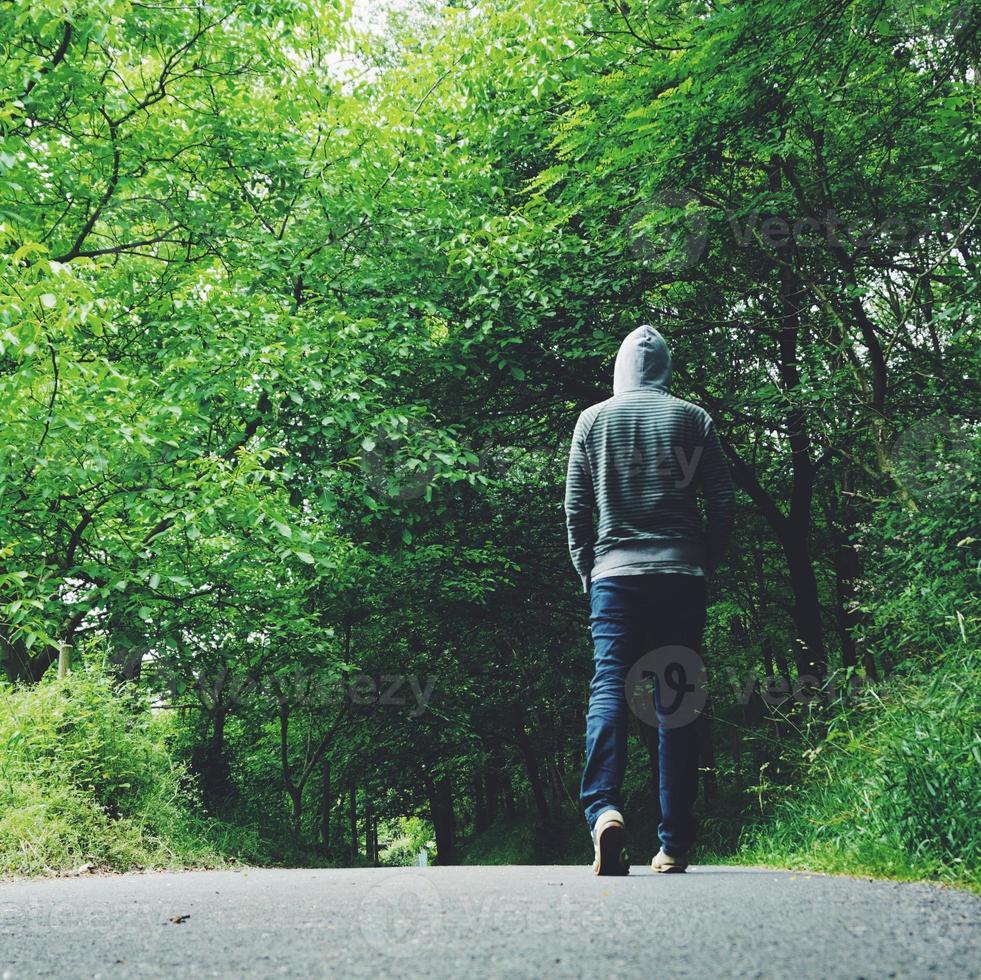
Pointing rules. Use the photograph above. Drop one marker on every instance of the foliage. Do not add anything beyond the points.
(891, 786)
(406, 837)
(295, 319)
(87, 779)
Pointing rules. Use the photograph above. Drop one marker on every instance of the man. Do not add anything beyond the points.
(640, 459)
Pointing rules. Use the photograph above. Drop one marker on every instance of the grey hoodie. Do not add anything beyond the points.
(640, 460)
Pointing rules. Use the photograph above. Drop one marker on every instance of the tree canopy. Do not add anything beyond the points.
(296, 318)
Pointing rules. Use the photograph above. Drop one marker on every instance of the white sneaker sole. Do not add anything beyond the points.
(611, 858)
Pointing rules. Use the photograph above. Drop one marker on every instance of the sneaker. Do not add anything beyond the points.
(608, 840)
(670, 863)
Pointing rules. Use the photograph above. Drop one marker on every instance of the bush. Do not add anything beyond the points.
(86, 777)
(404, 839)
(894, 787)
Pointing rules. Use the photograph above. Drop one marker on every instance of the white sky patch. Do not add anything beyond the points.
(370, 18)
(367, 17)
(371, 15)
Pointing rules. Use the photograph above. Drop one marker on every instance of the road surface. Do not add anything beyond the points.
(485, 922)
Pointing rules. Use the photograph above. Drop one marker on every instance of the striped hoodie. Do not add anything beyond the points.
(641, 459)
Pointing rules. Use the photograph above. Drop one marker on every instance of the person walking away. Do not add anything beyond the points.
(640, 460)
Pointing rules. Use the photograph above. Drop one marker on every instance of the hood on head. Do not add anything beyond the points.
(643, 361)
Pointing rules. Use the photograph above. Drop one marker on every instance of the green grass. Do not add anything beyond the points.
(893, 790)
(87, 779)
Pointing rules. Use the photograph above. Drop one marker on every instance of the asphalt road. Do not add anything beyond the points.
(485, 922)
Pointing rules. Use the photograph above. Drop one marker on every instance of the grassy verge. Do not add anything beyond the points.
(87, 781)
(892, 790)
(889, 787)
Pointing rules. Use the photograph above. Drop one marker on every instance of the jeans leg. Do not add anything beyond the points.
(683, 604)
(678, 764)
(606, 719)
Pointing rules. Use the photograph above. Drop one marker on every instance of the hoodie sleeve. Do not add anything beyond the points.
(719, 498)
(579, 503)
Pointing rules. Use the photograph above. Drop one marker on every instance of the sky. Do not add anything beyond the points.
(370, 14)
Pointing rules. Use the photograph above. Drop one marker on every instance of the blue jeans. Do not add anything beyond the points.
(631, 615)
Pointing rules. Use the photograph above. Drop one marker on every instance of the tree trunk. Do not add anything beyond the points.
(530, 758)
(792, 534)
(554, 782)
(128, 647)
(441, 810)
(215, 773)
(767, 654)
(848, 569)
(325, 802)
(809, 653)
(509, 807)
(369, 852)
(293, 791)
(480, 821)
(353, 818)
(792, 527)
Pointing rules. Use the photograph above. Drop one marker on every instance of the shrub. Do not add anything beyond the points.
(895, 785)
(86, 777)
(405, 837)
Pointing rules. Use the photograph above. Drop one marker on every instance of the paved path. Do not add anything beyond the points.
(467, 923)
